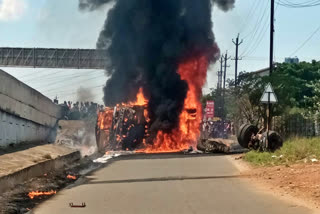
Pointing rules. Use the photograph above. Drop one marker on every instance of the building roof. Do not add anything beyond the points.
(261, 71)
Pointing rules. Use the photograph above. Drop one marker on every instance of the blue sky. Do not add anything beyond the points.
(59, 24)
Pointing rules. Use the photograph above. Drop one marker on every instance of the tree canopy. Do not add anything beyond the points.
(297, 87)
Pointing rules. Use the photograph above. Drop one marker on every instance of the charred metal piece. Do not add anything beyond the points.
(250, 137)
(214, 145)
(83, 205)
(126, 130)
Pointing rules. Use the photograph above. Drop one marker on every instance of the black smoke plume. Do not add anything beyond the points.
(92, 4)
(146, 40)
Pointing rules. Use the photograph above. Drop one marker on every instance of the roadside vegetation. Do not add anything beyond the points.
(295, 150)
(297, 88)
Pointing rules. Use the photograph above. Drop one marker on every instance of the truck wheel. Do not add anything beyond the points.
(245, 133)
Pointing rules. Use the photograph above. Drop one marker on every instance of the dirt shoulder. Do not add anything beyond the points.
(297, 182)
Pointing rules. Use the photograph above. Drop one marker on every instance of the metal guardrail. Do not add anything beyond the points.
(53, 58)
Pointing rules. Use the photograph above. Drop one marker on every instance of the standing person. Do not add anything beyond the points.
(207, 127)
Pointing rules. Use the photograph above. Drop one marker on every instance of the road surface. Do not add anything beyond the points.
(168, 184)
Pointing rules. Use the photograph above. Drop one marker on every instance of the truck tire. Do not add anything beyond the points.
(245, 133)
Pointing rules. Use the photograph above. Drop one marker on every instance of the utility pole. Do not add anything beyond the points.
(219, 104)
(218, 86)
(226, 58)
(237, 43)
(221, 71)
(271, 36)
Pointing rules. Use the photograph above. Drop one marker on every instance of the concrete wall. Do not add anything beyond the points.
(14, 130)
(25, 114)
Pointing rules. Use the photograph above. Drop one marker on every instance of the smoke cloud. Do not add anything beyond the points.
(92, 4)
(95, 4)
(84, 94)
(146, 41)
(225, 5)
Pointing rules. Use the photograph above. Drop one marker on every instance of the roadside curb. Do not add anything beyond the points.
(9, 181)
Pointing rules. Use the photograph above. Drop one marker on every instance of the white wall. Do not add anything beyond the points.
(15, 130)
(25, 114)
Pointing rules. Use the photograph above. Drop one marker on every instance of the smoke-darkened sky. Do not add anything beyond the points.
(39, 24)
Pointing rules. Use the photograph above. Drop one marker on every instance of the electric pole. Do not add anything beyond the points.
(220, 87)
(237, 43)
(271, 36)
(220, 72)
(226, 58)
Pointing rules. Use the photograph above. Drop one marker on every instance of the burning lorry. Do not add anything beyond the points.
(126, 127)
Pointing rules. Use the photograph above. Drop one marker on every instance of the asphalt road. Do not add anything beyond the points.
(168, 184)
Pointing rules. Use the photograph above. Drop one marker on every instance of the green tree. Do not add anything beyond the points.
(296, 86)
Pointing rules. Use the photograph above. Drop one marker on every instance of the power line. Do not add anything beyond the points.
(42, 70)
(91, 96)
(258, 23)
(57, 77)
(260, 37)
(37, 77)
(75, 92)
(256, 29)
(289, 4)
(70, 85)
(250, 14)
(306, 41)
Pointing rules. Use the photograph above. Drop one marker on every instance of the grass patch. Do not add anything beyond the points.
(294, 150)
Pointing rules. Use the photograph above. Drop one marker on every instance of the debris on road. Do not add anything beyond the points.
(249, 136)
(214, 145)
(83, 205)
(106, 157)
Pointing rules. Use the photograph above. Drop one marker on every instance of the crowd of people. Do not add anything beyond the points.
(217, 129)
(79, 110)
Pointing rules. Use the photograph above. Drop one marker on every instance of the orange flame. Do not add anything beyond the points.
(72, 177)
(38, 193)
(140, 100)
(194, 72)
(105, 119)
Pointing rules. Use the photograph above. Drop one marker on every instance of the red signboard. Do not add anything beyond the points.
(209, 110)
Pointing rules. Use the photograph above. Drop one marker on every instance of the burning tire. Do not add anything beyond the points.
(245, 133)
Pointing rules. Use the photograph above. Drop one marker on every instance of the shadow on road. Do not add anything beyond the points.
(142, 156)
(177, 178)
